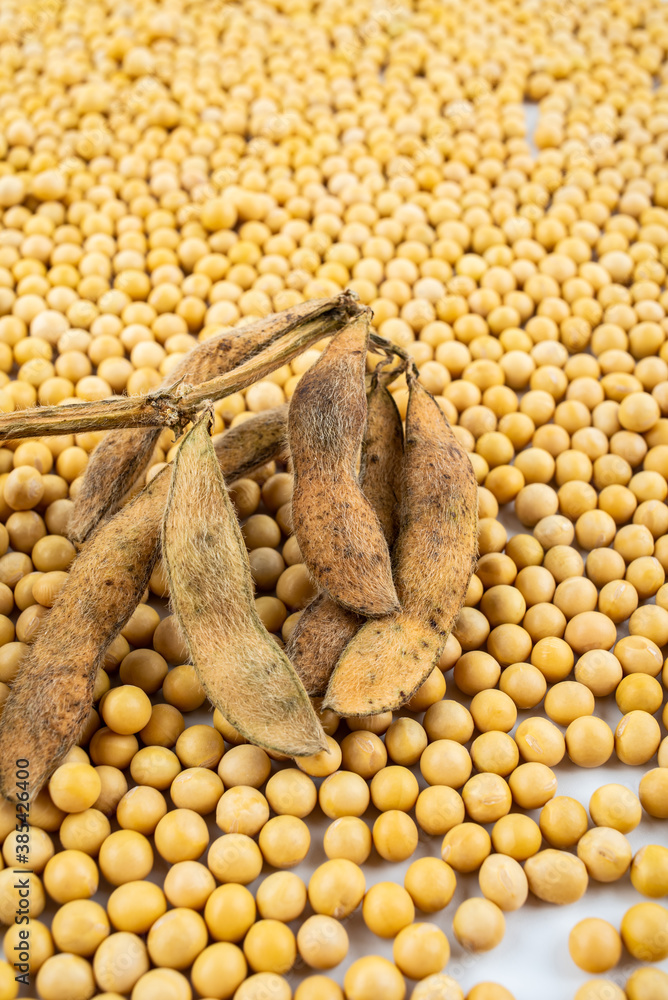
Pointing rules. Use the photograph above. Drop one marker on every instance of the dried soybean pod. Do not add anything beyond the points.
(244, 672)
(436, 550)
(339, 535)
(325, 628)
(124, 454)
(323, 631)
(52, 694)
(53, 691)
(434, 558)
(382, 454)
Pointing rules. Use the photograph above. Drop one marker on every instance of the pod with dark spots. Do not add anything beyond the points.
(123, 455)
(434, 557)
(244, 672)
(339, 534)
(325, 627)
(52, 695)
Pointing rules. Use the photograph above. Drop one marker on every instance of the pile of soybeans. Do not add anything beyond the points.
(170, 171)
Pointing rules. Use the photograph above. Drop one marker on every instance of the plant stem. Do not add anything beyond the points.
(151, 410)
(175, 406)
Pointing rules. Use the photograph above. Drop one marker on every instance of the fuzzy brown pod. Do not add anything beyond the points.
(434, 557)
(325, 627)
(52, 695)
(382, 456)
(122, 456)
(243, 670)
(339, 534)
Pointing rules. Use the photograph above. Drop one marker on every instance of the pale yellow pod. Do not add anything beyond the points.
(245, 673)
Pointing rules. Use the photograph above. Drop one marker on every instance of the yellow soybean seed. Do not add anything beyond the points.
(234, 857)
(516, 836)
(264, 984)
(291, 793)
(244, 765)
(229, 912)
(120, 961)
(344, 793)
(489, 991)
(405, 740)
(370, 975)
(430, 883)
(61, 969)
(615, 806)
(158, 982)
(181, 835)
(597, 989)
(589, 741)
(495, 752)
(479, 925)
(502, 880)
(336, 888)
(486, 797)
(420, 950)
(387, 908)
(644, 931)
(189, 884)
(446, 762)
(74, 787)
(446, 986)
(281, 896)
(395, 835)
(394, 787)
(270, 946)
(125, 856)
(322, 942)
(465, 847)
(176, 938)
(649, 870)
(348, 837)
(135, 906)
(362, 752)
(652, 792)
(79, 927)
(645, 982)
(242, 809)
(595, 945)
(532, 785)
(284, 841)
(556, 876)
(318, 988)
(438, 809)
(637, 737)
